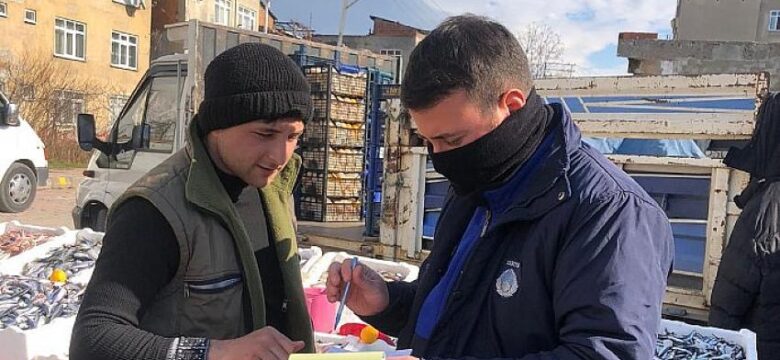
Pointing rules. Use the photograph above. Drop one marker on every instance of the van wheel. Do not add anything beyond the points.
(18, 188)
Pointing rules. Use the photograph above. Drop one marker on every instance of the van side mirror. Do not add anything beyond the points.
(11, 115)
(85, 131)
(141, 136)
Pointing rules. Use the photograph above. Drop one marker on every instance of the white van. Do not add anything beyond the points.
(23, 164)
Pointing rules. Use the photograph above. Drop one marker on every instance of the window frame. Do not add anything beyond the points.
(391, 52)
(127, 43)
(774, 15)
(4, 7)
(61, 96)
(243, 13)
(32, 21)
(224, 7)
(75, 33)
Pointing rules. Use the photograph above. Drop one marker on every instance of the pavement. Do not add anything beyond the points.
(53, 203)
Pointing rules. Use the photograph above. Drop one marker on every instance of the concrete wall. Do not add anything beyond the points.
(100, 19)
(664, 57)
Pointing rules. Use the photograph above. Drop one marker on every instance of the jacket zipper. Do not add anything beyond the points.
(485, 225)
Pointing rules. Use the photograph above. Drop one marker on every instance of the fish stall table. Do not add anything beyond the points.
(37, 315)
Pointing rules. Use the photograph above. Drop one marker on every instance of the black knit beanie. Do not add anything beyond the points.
(252, 82)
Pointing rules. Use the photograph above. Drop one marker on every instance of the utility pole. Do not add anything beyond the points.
(267, 11)
(345, 5)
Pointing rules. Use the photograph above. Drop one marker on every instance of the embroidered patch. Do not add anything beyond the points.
(506, 284)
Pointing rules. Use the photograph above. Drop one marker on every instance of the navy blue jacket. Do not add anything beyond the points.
(590, 251)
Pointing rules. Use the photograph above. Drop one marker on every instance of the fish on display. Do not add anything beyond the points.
(70, 258)
(28, 303)
(696, 346)
(14, 242)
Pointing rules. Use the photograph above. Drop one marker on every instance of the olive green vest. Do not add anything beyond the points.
(217, 240)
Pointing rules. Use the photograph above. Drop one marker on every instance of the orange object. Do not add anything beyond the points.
(369, 335)
(58, 276)
(356, 330)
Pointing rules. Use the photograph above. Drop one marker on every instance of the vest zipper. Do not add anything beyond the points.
(284, 305)
(186, 291)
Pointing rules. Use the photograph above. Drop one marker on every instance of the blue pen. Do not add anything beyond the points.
(352, 266)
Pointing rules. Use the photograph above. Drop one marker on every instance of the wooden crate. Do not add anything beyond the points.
(338, 159)
(341, 108)
(311, 208)
(321, 132)
(341, 84)
(334, 184)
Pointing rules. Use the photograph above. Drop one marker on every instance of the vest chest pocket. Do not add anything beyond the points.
(212, 286)
(214, 307)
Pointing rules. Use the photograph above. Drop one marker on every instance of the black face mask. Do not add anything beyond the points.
(493, 157)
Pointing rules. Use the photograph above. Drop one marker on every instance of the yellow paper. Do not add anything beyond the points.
(341, 356)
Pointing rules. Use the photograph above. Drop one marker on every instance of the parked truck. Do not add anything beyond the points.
(152, 125)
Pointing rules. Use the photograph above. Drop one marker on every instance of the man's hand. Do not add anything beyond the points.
(264, 344)
(368, 293)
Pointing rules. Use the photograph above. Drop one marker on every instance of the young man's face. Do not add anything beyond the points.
(457, 120)
(256, 151)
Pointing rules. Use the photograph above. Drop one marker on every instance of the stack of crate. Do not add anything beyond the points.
(331, 185)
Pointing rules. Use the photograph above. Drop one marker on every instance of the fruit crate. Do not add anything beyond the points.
(341, 108)
(325, 209)
(321, 131)
(328, 79)
(334, 184)
(334, 159)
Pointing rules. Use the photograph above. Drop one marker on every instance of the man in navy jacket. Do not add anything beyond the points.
(544, 249)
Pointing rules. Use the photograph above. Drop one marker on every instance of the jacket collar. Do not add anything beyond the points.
(548, 185)
(203, 186)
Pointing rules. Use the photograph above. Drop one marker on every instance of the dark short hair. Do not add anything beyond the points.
(465, 52)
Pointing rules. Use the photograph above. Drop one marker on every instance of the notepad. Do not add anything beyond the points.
(378, 355)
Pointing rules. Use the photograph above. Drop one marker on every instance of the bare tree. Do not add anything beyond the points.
(50, 93)
(544, 48)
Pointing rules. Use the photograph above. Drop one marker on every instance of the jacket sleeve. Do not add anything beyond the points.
(739, 277)
(394, 318)
(609, 281)
(135, 263)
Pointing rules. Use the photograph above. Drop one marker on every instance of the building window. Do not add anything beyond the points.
(247, 19)
(67, 106)
(3, 9)
(371, 62)
(115, 105)
(69, 39)
(774, 20)
(124, 50)
(30, 16)
(222, 12)
(390, 52)
(26, 92)
(352, 59)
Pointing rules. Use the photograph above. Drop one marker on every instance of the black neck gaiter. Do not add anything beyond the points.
(493, 157)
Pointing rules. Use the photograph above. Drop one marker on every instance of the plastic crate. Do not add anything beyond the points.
(333, 210)
(320, 131)
(338, 159)
(342, 84)
(344, 185)
(341, 108)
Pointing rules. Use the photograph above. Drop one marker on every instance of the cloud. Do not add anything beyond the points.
(586, 26)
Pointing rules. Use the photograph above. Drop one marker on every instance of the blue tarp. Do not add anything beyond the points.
(669, 147)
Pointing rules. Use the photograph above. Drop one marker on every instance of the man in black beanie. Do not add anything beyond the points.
(199, 259)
